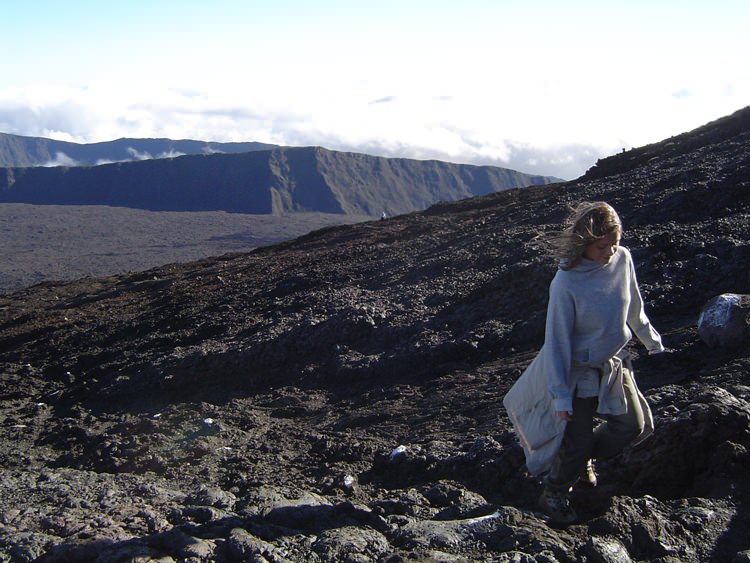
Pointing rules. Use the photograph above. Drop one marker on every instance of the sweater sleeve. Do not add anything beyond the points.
(558, 344)
(637, 319)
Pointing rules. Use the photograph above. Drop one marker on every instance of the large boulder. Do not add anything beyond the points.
(724, 320)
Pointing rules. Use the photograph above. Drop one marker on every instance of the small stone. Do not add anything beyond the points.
(608, 550)
(9, 515)
(396, 453)
(213, 496)
(244, 546)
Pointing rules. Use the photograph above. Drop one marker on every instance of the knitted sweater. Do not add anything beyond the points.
(593, 312)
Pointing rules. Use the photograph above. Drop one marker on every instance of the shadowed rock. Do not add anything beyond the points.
(725, 321)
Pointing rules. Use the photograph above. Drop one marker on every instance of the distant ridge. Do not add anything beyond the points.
(17, 151)
(278, 181)
(714, 132)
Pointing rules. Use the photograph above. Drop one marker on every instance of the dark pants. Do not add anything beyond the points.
(581, 442)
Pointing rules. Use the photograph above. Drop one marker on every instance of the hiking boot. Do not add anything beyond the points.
(588, 475)
(557, 507)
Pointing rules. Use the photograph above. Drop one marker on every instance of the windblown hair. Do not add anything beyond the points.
(589, 222)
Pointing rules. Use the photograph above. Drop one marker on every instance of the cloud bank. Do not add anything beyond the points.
(420, 125)
(542, 87)
(148, 156)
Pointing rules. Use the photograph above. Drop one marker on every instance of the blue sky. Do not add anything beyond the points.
(539, 86)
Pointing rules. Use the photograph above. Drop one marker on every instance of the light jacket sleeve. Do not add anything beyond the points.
(637, 319)
(558, 344)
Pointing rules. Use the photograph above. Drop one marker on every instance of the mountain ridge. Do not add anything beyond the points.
(277, 181)
(23, 151)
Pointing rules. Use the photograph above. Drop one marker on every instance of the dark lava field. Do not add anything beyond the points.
(338, 398)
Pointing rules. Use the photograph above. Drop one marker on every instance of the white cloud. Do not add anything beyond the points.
(544, 87)
(61, 159)
(138, 155)
(148, 156)
(539, 126)
(170, 154)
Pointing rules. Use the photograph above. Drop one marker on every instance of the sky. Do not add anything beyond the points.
(540, 86)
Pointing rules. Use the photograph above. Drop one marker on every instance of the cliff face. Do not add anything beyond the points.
(284, 180)
(339, 396)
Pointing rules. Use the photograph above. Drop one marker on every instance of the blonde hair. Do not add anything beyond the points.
(589, 222)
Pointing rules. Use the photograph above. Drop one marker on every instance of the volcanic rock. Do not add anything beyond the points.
(725, 320)
(319, 358)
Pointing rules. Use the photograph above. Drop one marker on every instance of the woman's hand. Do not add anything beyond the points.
(565, 415)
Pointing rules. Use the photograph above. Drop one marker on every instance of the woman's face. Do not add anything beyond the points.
(602, 250)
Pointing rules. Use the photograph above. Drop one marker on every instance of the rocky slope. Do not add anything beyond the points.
(283, 180)
(338, 398)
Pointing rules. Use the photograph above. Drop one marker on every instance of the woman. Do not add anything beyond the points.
(583, 369)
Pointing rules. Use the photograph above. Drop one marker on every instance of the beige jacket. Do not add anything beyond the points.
(531, 409)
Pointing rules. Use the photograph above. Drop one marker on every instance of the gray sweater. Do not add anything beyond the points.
(592, 310)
